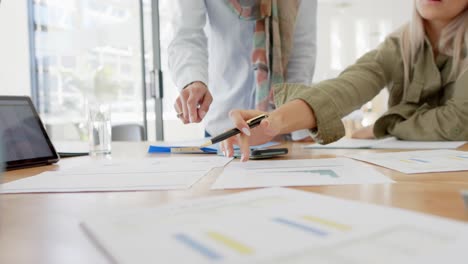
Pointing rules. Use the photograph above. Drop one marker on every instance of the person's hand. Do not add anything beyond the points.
(193, 103)
(284, 119)
(364, 133)
(261, 134)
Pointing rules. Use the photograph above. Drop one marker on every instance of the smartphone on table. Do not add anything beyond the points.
(263, 153)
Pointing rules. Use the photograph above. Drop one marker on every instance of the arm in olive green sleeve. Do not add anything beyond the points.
(333, 99)
(328, 121)
(445, 122)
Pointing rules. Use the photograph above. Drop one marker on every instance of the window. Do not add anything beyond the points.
(87, 50)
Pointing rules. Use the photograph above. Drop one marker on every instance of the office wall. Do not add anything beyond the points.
(346, 30)
(349, 28)
(14, 48)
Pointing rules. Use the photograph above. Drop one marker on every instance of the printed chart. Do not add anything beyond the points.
(305, 172)
(277, 226)
(419, 161)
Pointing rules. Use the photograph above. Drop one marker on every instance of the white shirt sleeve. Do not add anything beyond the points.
(302, 61)
(301, 64)
(188, 52)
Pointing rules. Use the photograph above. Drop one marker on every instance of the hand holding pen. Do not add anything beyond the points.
(292, 116)
(252, 128)
(251, 123)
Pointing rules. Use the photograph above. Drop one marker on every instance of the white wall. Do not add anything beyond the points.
(14, 48)
(349, 28)
(346, 30)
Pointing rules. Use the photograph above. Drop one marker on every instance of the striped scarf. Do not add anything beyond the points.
(273, 40)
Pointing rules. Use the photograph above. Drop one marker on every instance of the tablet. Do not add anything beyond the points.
(24, 138)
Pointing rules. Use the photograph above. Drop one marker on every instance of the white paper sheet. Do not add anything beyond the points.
(387, 143)
(121, 175)
(348, 143)
(405, 144)
(419, 161)
(278, 226)
(71, 146)
(304, 172)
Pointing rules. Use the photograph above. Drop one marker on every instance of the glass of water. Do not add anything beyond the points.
(99, 129)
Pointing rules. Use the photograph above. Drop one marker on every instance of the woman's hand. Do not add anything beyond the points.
(364, 133)
(261, 134)
(292, 116)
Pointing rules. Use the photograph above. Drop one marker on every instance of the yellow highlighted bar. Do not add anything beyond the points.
(231, 243)
(407, 161)
(329, 223)
(456, 158)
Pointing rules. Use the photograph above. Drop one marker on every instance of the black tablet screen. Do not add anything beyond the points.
(22, 133)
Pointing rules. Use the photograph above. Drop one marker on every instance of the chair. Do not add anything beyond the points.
(128, 132)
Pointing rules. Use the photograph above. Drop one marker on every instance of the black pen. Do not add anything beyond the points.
(232, 132)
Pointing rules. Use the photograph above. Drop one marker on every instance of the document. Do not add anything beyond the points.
(349, 143)
(303, 172)
(387, 143)
(277, 226)
(121, 175)
(406, 144)
(79, 147)
(419, 161)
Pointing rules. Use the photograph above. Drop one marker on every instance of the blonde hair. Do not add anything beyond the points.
(453, 42)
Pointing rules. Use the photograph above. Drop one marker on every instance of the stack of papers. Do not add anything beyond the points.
(278, 226)
(304, 172)
(419, 161)
(121, 175)
(387, 143)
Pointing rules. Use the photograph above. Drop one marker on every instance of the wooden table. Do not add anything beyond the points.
(44, 228)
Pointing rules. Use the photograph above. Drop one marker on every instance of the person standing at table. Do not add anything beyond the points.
(424, 65)
(226, 54)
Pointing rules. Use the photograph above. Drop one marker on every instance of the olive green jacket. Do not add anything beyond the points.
(432, 107)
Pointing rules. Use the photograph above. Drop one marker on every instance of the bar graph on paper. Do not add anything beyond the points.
(420, 161)
(216, 245)
(384, 246)
(299, 236)
(277, 226)
(305, 172)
